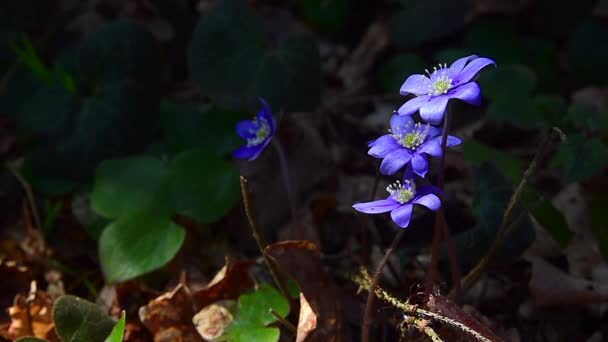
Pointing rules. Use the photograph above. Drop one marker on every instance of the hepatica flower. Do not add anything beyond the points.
(408, 142)
(434, 90)
(401, 200)
(257, 133)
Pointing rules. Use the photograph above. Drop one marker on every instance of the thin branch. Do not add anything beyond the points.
(28, 193)
(289, 190)
(370, 298)
(471, 278)
(260, 240)
(287, 324)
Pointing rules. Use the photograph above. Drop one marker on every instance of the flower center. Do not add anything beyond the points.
(441, 82)
(402, 193)
(261, 130)
(415, 137)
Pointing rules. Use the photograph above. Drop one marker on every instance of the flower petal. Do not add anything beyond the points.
(382, 146)
(420, 164)
(453, 141)
(244, 127)
(472, 69)
(377, 207)
(401, 124)
(266, 113)
(248, 152)
(402, 215)
(416, 84)
(469, 93)
(413, 105)
(433, 132)
(433, 111)
(432, 147)
(458, 65)
(430, 201)
(394, 161)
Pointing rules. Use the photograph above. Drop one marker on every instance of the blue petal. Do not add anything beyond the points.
(433, 132)
(413, 105)
(472, 69)
(458, 65)
(394, 161)
(266, 113)
(416, 84)
(420, 164)
(400, 124)
(382, 146)
(430, 201)
(377, 207)
(433, 111)
(244, 127)
(402, 215)
(432, 147)
(453, 141)
(469, 93)
(248, 152)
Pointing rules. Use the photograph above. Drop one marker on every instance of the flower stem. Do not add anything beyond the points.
(278, 279)
(471, 278)
(441, 228)
(285, 176)
(370, 297)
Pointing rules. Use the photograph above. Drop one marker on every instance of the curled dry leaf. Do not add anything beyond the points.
(300, 259)
(229, 283)
(213, 319)
(307, 321)
(169, 317)
(31, 315)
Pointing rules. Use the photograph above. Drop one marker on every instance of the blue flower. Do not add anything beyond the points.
(434, 92)
(408, 142)
(401, 200)
(257, 132)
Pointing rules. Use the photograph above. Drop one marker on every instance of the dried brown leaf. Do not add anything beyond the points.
(230, 282)
(307, 321)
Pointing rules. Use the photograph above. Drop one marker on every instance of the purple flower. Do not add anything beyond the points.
(401, 201)
(409, 142)
(434, 92)
(257, 132)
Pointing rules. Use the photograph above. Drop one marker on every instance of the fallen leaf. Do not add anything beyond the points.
(212, 320)
(230, 282)
(169, 317)
(307, 321)
(301, 260)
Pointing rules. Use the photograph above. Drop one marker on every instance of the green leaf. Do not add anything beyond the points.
(477, 154)
(599, 221)
(552, 220)
(78, 320)
(588, 52)
(253, 315)
(492, 194)
(397, 69)
(587, 117)
(124, 186)
(328, 15)
(118, 330)
(542, 58)
(137, 244)
(232, 62)
(495, 39)
(421, 21)
(580, 158)
(202, 185)
(185, 126)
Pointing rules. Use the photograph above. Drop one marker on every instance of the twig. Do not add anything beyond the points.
(364, 281)
(370, 297)
(260, 240)
(285, 175)
(287, 324)
(28, 193)
(441, 228)
(472, 277)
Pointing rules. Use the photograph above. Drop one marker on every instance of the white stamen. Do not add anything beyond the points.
(414, 137)
(261, 130)
(402, 193)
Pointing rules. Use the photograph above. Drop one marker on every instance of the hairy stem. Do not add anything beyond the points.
(285, 176)
(370, 297)
(278, 279)
(471, 278)
(440, 227)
